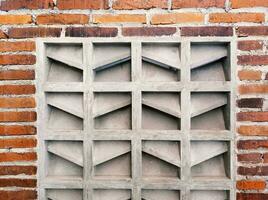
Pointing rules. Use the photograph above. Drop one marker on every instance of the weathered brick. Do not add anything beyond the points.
(250, 158)
(17, 59)
(17, 46)
(139, 4)
(91, 32)
(17, 143)
(250, 103)
(177, 18)
(33, 32)
(249, 3)
(198, 4)
(253, 130)
(250, 185)
(17, 116)
(253, 89)
(62, 19)
(16, 170)
(17, 89)
(26, 102)
(3, 35)
(253, 116)
(207, 31)
(14, 157)
(15, 19)
(252, 144)
(249, 75)
(252, 196)
(18, 195)
(245, 31)
(17, 75)
(148, 31)
(14, 130)
(265, 157)
(120, 18)
(253, 171)
(236, 17)
(15, 182)
(7, 5)
(250, 45)
(253, 60)
(82, 4)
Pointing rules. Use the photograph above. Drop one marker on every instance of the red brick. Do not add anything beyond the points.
(250, 185)
(82, 4)
(14, 157)
(207, 31)
(17, 75)
(139, 4)
(245, 31)
(18, 143)
(16, 46)
(236, 17)
(253, 116)
(177, 18)
(17, 59)
(13, 130)
(253, 130)
(249, 3)
(250, 45)
(26, 102)
(91, 32)
(120, 18)
(250, 158)
(197, 4)
(15, 19)
(18, 195)
(250, 103)
(249, 75)
(253, 171)
(253, 60)
(265, 158)
(148, 31)
(33, 32)
(3, 35)
(7, 5)
(253, 89)
(17, 116)
(14, 182)
(251, 196)
(252, 144)
(62, 19)
(16, 170)
(17, 89)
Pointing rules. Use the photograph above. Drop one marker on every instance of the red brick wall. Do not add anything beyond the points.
(24, 20)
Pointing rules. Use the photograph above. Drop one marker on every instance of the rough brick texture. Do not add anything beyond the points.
(23, 21)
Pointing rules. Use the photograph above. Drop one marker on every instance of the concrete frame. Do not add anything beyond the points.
(88, 135)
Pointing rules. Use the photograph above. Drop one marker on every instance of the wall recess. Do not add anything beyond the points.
(136, 119)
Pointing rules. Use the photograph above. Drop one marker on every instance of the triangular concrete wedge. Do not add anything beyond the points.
(164, 150)
(68, 102)
(65, 60)
(205, 54)
(107, 102)
(65, 194)
(205, 150)
(112, 194)
(165, 102)
(71, 55)
(163, 55)
(106, 56)
(204, 102)
(105, 151)
(160, 195)
(71, 151)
